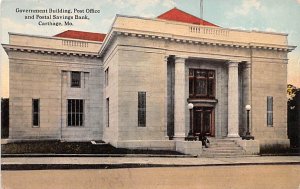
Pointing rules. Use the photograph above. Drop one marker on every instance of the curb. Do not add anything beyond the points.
(12, 167)
(97, 155)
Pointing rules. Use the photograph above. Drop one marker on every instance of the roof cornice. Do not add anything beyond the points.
(40, 50)
(55, 38)
(197, 41)
(191, 39)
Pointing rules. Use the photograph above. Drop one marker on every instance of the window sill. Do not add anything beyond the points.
(197, 100)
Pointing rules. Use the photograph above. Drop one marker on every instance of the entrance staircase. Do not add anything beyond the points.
(223, 148)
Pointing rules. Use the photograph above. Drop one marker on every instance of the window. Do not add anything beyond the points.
(142, 109)
(35, 112)
(201, 83)
(106, 76)
(75, 79)
(270, 111)
(75, 112)
(107, 112)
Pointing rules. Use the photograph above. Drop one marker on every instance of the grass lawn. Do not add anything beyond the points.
(57, 147)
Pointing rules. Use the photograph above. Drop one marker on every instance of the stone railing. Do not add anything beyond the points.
(209, 31)
(74, 43)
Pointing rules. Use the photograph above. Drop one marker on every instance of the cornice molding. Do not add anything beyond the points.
(39, 50)
(203, 41)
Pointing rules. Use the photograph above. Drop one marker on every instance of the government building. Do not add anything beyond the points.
(151, 83)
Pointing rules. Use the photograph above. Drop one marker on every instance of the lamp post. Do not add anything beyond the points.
(248, 135)
(191, 106)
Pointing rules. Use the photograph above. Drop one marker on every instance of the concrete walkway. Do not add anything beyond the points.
(18, 163)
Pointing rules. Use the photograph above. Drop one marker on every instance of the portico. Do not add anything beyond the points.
(205, 92)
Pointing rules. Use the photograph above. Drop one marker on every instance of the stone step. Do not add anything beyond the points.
(223, 144)
(225, 155)
(224, 148)
(221, 140)
(223, 151)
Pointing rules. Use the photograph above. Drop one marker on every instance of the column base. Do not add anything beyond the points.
(233, 136)
(179, 137)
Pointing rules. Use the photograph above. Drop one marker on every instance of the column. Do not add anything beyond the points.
(179, 99)
(247, 94)
(233, 100)
(165, 128)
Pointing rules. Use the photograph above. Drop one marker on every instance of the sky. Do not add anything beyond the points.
(264, 15)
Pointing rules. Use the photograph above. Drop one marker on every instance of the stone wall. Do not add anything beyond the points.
(47, 77)
(269, 78)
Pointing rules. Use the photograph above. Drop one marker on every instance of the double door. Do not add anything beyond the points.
(203, 121)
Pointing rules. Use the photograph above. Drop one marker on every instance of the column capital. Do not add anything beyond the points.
(180, 59)
(233, 63)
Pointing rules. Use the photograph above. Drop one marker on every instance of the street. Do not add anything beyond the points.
(204, 177)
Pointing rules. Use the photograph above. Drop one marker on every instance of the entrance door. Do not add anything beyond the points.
(203, 121)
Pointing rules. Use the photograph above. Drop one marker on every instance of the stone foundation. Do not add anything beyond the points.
(189, 147)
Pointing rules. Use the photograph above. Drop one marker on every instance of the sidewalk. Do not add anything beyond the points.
(33, 163)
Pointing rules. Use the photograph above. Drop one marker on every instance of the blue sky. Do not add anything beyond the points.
(265, 15)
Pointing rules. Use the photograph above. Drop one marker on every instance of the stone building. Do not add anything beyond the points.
(133, 87)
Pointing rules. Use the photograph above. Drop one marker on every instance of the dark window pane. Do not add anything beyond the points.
(73, 105)
(141, 109)
(75, 79)
(77, 105)
(211, 87)
(69, 106)
(270, 111)
(77, 119)
(203, 84)
(191, 86)
(75, 112)
(191, 72)
(35, 119)
(35, 112)
(80, 119)
(107, 112)
(203, 73)
(73, 119)
(35, 105)
(270, 103)
(206, 121)
(211, 74)
(81, 106)
(201, 87)
(69, 119)
(198, 73)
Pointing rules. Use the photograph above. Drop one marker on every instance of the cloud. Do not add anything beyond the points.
(245, 8)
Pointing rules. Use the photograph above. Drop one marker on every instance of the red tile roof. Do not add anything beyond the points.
(82, 35)
(181, 16)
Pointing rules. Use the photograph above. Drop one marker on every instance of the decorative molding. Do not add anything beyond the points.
(49, 51)
(210, 42)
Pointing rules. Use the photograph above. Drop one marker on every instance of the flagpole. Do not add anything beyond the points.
(201, 10)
